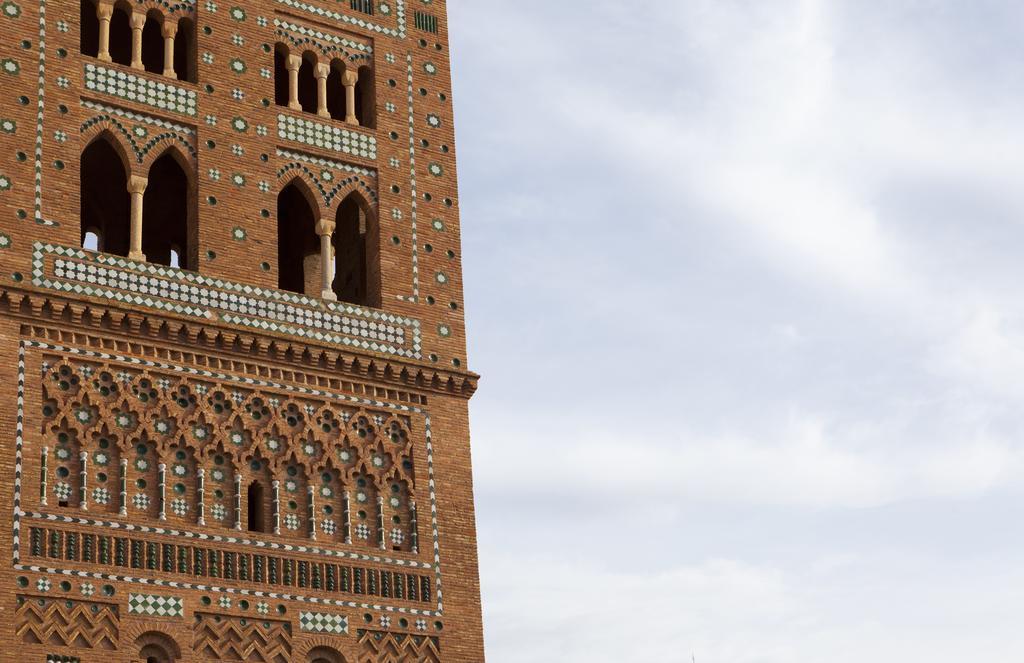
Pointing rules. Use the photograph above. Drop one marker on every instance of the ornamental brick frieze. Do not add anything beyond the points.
(238, 351)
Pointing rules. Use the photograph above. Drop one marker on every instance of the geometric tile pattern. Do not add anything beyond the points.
(343, 18)
(156, 606)
(140, 90)
(324, 136)
(319, 622)
(76, 271)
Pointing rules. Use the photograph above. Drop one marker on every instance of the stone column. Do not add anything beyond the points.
(277, 507)
(83, 487)
(138, 21)
(293, 64)
(169, 29)
(322, 71)
(347, 518)
(163, 490)
(413, 528)
(201, 490)
(43, 474)
(311, 511)
(325, 229)
(238, 501)
(104, 11)
(123, 510)
(136, 187)
(350, 78)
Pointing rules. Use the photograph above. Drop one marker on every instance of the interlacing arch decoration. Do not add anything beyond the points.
(134, 152)
(329, 192)
(164, 7)
(141, 442)
(326, 51)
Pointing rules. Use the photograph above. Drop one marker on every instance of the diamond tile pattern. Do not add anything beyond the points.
(156, 606)
(320, 622)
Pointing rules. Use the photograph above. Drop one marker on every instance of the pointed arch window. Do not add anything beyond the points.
(356, 270)
(168, 231)
(105, 206)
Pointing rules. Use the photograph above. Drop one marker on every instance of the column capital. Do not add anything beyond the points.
(323, 70)
(293, 62)
(137, 184)
(137, 20)
(324, 227)
(104, 10)
(168, 29)
(350, 77)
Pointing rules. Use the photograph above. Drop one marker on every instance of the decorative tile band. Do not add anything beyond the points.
(81, 272)
(156, 606)
(323, 36)
(326, 137)
(157, 94)
(320, 622)
(412, 182)
(328, 163)
(351, 20)
(41, 92)
(138, 117)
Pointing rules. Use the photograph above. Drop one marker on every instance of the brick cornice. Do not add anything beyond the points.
(233, 343)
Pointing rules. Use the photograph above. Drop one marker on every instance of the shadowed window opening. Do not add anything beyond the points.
(256, 516)
(105, 204)
(121, 34)
(307, 83)
(280, 75)
(166, 214)
(153, 43)
(89, 29)
(366, 100)
(185, 51)
(298, 247)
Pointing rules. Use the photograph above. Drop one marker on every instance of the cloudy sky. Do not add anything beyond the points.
(744, 281)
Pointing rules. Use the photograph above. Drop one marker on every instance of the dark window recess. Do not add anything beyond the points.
(365, 6)
(426, 22)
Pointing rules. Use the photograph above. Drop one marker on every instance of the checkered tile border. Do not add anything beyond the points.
(320, 622)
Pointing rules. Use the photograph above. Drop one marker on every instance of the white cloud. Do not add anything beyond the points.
(743, 286)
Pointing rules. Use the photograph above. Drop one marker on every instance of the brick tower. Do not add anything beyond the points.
(232, 344)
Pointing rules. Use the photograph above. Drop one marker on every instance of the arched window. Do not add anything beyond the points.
(257, 519)
(121, 34)
(324, 655)
(153, 43)
(280, 74)
(185, 50)
(156, 647)
(366, 99)
(105, 204)
(307, 83)
(298, 246)
(336, 90)
(89, 29)
(168, 229)
(356, 273)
